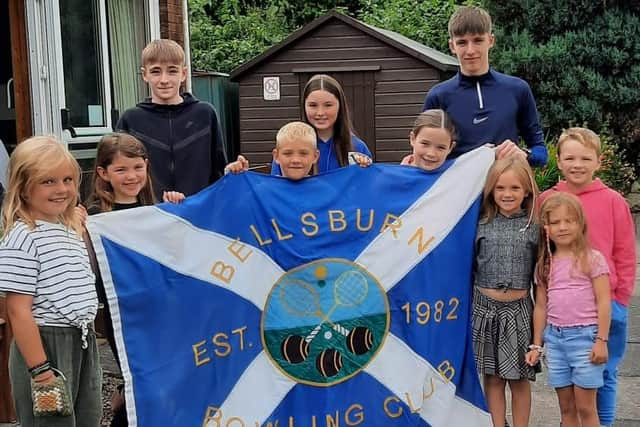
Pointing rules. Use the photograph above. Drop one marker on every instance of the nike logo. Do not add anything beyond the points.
(477, 121)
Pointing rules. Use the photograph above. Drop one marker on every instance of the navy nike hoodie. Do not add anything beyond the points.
(489, 109)
(184, 142)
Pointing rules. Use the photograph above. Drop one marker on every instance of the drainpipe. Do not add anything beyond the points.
(187, 44)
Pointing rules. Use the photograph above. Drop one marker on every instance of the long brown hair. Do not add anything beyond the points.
(580, 246)
(110, 145)
(342, 129)
(525, 176)
(31, 161)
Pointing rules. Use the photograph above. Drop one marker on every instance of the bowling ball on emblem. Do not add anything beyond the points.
(294, 349)
(329, 362)
(359, 340)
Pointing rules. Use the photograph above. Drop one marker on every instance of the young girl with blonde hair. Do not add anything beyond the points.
(506, 247)
(51, 297)
(572, 312)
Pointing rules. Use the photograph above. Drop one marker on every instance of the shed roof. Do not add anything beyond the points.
(430, 56)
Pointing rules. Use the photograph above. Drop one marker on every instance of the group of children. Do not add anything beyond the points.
(574, 243)
(579, 253)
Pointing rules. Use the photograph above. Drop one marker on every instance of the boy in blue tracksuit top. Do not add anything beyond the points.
(486, 106)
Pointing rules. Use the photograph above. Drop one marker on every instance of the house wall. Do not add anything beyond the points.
(20, 65)
(171, 20)
(401, 83)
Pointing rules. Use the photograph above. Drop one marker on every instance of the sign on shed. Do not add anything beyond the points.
(271, 88)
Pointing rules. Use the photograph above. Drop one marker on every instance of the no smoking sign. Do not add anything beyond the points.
(271, 88)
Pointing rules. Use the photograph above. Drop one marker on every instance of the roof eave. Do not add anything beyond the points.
(244, 68)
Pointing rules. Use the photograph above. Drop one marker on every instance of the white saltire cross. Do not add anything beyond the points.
(408, 375)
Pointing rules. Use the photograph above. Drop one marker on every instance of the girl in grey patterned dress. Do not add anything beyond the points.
(506, 246)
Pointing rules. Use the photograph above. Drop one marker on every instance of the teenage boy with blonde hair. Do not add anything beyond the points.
(487, 107)
(611, 231)
(181, 134)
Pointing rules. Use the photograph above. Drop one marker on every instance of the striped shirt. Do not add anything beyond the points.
(51, 263)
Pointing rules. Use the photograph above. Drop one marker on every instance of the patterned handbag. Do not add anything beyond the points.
(52, 398)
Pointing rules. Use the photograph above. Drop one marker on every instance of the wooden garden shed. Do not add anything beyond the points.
(385, 77)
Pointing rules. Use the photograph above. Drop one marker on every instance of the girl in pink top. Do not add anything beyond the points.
(572, 311)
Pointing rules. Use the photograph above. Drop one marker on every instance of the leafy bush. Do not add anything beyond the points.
(582, 60)
(300, 13)
(615, 171)
(424, 21)
(227, 33)
(233, 37)
(549, 175)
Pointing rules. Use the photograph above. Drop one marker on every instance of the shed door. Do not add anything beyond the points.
(359, 87)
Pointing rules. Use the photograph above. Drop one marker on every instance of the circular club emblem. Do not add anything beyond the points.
(324, 321)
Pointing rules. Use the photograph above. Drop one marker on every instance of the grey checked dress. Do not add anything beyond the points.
(506, 251)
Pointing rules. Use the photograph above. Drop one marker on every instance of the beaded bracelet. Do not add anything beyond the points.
(598, 337)
(40, 369)
(537, 348)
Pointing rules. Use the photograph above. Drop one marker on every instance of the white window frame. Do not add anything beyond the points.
(46, 115)
(92, 131)
(47, 70)
(153, 13)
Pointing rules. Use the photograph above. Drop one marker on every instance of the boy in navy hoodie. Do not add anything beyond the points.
(182, 134)
(486, 107)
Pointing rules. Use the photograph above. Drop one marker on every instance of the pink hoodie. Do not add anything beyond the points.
(611, 231)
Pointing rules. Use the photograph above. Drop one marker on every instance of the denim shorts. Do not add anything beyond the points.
(568, 351)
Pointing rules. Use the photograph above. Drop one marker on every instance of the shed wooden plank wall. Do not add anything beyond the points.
(400, 87)
(260, 119)
(400, 95)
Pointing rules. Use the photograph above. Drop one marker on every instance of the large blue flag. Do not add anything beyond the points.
(338, 300)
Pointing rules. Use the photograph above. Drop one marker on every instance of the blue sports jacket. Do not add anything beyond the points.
(489, 109)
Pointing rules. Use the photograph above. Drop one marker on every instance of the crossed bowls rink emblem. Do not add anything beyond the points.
(340, 315)
(325, 321)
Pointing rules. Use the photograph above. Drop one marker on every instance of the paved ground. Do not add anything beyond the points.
(545, 411)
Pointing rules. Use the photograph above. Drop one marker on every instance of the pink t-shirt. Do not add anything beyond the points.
(570, 297)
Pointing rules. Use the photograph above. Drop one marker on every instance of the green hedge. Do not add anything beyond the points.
(582, 60)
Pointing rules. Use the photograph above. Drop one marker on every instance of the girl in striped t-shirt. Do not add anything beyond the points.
(51, 297)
